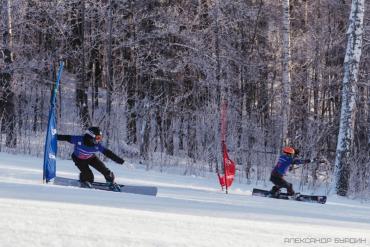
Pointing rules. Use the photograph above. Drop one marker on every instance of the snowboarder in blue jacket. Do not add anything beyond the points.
(285, 162)
(85, 148)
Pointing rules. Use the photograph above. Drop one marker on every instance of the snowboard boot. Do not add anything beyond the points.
(296, 196)
(114, 186)
(290, 190)
(275, 192)
(86, 184)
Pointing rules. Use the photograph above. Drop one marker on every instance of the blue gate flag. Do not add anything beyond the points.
(51, 139)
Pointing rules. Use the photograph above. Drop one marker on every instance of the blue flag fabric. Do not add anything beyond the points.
(51, 140)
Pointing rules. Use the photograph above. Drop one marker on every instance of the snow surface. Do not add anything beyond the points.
(188, 211)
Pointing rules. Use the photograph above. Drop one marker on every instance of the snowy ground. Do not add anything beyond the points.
(188, 211)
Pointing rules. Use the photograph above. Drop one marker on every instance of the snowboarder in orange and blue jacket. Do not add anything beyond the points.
(286, 160)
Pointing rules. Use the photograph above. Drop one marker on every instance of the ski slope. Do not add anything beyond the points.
(188, 211)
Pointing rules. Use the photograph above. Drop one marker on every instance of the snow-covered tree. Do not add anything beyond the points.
(348, 109)
(152, 73)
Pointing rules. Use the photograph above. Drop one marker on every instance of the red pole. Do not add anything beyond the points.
(225, 170)
(223, 137)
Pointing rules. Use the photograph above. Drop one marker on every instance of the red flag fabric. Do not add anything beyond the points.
(229, 167)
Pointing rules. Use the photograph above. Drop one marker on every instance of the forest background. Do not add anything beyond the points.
(154, 73)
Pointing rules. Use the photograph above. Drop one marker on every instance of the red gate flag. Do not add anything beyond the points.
(229, 169)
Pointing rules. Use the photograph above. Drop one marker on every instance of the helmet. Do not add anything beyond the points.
(94, 133)
(288, 150)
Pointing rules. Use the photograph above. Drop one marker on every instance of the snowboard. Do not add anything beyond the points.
(134, 189)
(285, 196)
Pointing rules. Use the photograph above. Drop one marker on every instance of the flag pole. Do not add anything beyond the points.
(225, 170)
(49, 167)
(223, 138)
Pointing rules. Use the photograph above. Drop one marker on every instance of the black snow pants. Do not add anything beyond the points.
(279, 183)
(86, 173)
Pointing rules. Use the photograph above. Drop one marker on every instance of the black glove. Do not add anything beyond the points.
(120, 161)
(307, 161)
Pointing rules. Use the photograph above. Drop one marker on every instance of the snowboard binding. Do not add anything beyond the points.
(86, 184)
(114, 186)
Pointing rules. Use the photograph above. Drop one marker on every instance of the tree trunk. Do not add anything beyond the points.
(82, 87)
(182, 134)
(7, 99)
(110, 73)
(348, 108)
(145, 135)
(131, 85)
(95, 65)
(286, 73)
(192, 136)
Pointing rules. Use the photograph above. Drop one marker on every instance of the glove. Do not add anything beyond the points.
(120, 161)
(307, 161)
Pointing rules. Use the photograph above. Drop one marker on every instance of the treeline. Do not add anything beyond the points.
(152, 74)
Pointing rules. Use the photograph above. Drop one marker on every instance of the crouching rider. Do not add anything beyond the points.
(85, 148)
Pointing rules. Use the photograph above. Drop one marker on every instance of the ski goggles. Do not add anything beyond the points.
(97, 138)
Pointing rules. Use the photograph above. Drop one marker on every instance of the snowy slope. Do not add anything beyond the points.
(188, 211)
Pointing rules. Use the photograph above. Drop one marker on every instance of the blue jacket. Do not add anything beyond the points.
(84, 151)
(283, 164)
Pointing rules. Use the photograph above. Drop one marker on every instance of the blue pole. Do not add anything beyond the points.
(50, 151)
